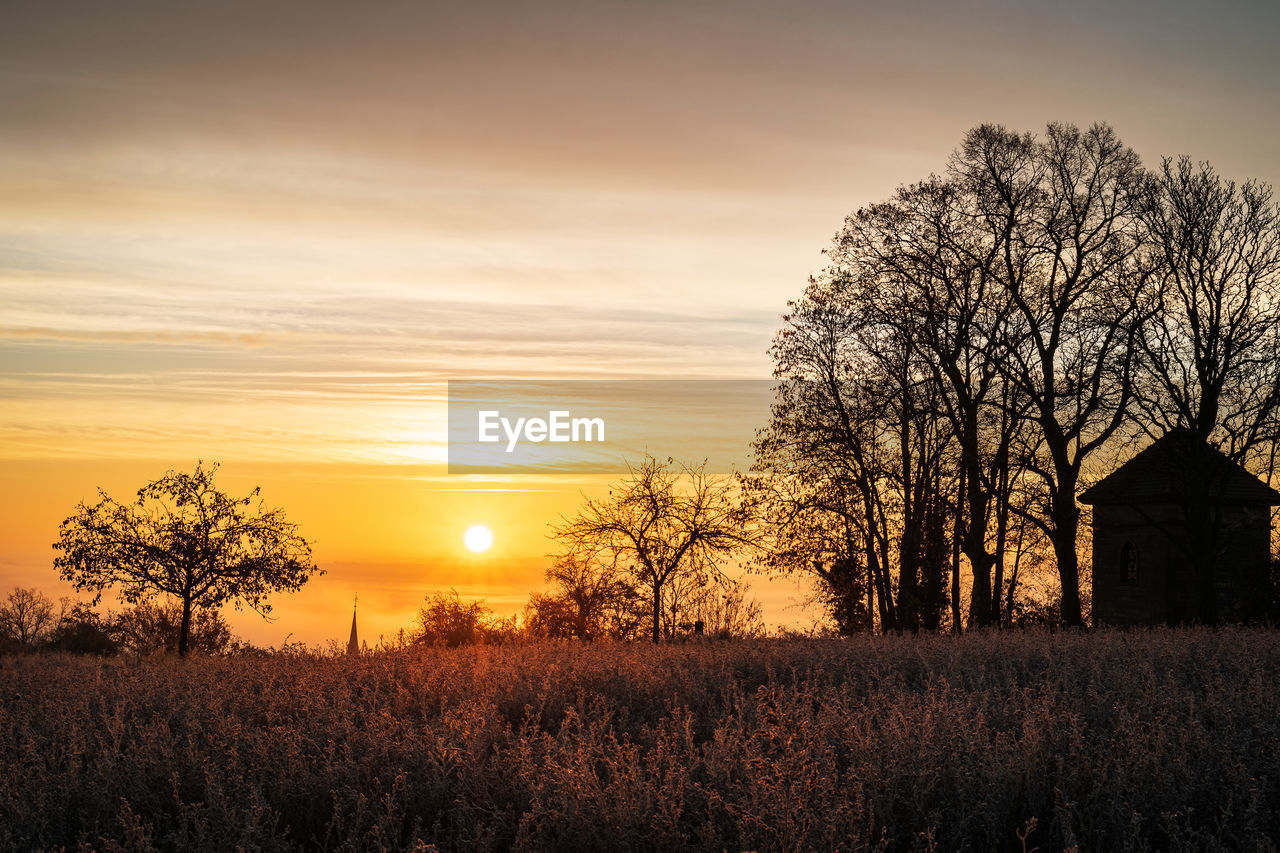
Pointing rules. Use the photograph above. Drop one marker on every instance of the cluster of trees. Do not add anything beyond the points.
(649, 555)
(572, 610)
(722, 609)
(644, 561)
(582, 603)
(31, 621)
(984, 342)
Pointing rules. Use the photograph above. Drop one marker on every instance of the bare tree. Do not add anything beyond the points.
(1063, 211)
(1211, 350)
(813, 529)
(664, 521)
(930, 276)
(727, 612)
(27, 617)
(854, 435)
(824, 454)
(1210, 353)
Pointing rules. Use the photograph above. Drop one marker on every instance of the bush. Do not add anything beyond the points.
(83, 631)
(447, 620)
(152, 627)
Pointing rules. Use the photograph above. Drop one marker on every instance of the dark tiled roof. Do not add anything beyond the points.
(1160, 474)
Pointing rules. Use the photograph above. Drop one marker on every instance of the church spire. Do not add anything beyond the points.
(353, 645)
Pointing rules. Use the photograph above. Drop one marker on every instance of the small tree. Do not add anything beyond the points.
(27, 617)
(662, 528)
(185, 538)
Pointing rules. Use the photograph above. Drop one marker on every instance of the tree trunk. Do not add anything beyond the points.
(184, 631)
(871, 602)
(958, 522)
(974, 543)
(980, 562)
(909, 577)
(909, 544)
(1001, 497)
(997, 583)
(1013, 576)
(884, 595)
(657, 612)
(1066, 524)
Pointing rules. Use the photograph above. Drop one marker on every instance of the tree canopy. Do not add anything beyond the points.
(185, 538)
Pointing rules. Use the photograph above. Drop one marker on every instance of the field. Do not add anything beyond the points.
(1101, 741)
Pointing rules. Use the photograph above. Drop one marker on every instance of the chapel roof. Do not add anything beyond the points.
(1159, 474)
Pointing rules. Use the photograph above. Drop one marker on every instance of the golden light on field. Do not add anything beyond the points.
(478, 538)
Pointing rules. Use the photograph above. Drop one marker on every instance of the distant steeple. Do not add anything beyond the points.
(353, 645)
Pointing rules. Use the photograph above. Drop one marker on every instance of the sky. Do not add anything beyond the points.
(268, 234)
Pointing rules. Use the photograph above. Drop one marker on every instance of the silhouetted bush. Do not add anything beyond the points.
(84, 631)
(151, 627)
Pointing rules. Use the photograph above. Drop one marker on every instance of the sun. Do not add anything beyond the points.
(478, 538)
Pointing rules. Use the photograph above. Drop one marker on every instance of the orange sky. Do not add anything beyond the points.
(267, 234)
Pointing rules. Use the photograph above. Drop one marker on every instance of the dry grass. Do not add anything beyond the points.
(1108, 741)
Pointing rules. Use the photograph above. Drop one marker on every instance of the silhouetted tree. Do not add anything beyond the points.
(664, 521)
(1210, 353)
(1211, 350)
(821, 459)
(1064, 211)
(923, 270)
(726, 612)
(27, 617)
(855, 432)
(82, 630)
(184, 538)
(549, 615)
(812, 525)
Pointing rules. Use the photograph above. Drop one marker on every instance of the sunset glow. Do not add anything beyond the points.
(269, 236)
